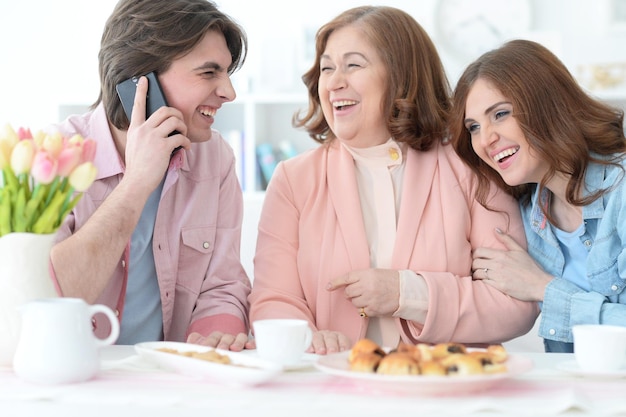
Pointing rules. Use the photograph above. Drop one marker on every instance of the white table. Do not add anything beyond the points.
(121, 390)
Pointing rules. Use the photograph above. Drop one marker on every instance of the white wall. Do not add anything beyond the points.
(48, 53)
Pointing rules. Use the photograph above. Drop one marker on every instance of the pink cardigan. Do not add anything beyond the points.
(311, 230)
(198, 226)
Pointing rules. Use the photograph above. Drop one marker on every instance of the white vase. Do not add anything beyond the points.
(24, 276)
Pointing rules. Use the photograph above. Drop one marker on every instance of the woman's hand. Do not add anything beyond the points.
(374, 292)
(223, 341)
(512, 271)
(326, 341)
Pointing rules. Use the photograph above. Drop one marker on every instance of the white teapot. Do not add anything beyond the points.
(57, 344)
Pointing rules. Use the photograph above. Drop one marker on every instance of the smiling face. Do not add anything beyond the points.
(198, 84)
(352, 86)
(497, 137)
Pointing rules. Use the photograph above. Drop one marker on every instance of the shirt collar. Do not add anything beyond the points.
(388, 154)
(594, 181)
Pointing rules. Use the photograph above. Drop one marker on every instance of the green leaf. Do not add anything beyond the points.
(5, 212)
(19, 221)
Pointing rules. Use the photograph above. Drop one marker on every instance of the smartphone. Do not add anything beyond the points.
(155, 97)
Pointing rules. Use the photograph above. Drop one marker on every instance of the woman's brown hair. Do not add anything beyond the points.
(418, 92)
(563, 124)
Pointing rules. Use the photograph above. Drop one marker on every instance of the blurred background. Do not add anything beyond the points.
(49, 58)
(49, 65)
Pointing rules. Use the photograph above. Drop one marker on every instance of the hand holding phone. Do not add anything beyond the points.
(155, 98)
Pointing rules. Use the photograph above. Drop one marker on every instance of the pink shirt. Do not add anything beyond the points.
(196, 234)
(312, 230)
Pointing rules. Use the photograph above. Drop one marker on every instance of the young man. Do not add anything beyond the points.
(157, 236)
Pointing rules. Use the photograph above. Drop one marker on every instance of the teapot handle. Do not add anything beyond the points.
(115, 324)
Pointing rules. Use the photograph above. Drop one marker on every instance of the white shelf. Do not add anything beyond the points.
(258, 119)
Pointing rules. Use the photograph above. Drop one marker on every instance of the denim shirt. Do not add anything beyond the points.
(565, 304)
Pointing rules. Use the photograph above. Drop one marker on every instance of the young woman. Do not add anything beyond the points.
(561, 154)
(371, 234)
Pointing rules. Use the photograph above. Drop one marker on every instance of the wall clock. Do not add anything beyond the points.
(468, 28)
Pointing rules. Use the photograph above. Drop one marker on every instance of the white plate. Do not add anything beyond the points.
(337, 364)
(573, 368)
(307, 362)
(244, 370)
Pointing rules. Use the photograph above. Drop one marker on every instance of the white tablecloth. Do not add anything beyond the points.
(128, 386)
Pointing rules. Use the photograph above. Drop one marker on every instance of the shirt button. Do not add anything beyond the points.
(588, 243)
(393, 153)
(614, 287)
(552, 332)
(205, 245)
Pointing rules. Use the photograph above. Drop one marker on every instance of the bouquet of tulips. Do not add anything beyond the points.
(43, 177)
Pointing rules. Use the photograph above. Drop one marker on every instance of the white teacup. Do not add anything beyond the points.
(57, 344)
(282, 341)
(599, 347)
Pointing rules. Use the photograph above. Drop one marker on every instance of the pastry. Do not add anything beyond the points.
(461, 364)
(488, 361)
(441, 359)
(365, 346)
(498, 353)
(443, 350)
(420, 352)
(397, 363)
(431, 367)
(365, 362)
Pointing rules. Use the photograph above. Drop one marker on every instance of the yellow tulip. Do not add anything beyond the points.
(5, 154)
(22, 156)
(53, 144)
(39, 137)
(7, 141)
(83, 176)
(76, 140)
(10, 135)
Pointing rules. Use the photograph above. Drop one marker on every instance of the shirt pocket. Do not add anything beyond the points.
(607, 281)
(196, 251)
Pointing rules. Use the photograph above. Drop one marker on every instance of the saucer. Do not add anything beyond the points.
(308, 361)
(573, 368)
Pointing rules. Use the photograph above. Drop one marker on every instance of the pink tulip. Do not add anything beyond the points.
(22, 156)
(24, 133)
(89, 150)
(44, 168)
(83, 176)
(41, 160)
(69, 158)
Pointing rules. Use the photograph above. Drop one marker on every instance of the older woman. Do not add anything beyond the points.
(372, 233)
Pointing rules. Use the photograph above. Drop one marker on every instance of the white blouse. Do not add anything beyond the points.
(379, 175)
